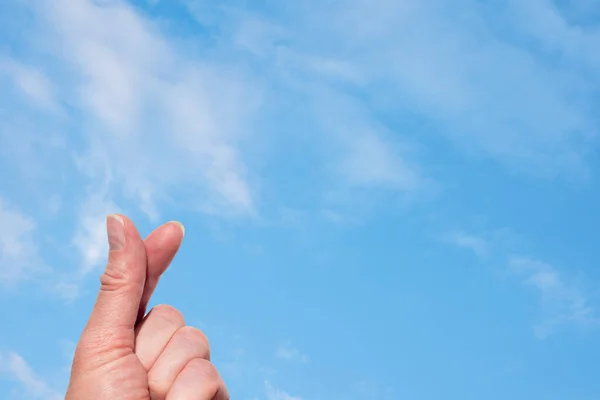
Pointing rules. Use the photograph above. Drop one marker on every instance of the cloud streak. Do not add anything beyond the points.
(289, 353)
(562, 302)
(459, 67)
(30, 82)
(160, 118)
(476, 244)
(174, 122)
(274, 393)
(31, 383)
(19, 257)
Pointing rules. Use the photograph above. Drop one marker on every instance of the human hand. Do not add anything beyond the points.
(124, 355)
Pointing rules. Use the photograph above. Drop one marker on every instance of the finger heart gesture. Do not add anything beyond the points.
(124, 354)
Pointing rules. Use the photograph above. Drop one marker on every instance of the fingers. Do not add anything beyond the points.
(154, 333)
(187, 344)
(130, 277)
(121, 286)
(161, 246)
(199, 380)
(176, 358)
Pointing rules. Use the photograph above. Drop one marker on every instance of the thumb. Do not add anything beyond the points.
(121, 286)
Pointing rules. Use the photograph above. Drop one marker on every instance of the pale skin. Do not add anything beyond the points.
(124, 354)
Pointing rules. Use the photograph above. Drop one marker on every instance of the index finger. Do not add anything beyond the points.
(161, 247)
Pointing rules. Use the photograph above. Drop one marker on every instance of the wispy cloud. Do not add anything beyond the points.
(274, 393)
(19, 257)
(289, 353)
(491, 95)
(90, 239)
(363, 152)
(467, 241)
(159, 122)
(161, 118)
(34, 386)
(563, 301)
(31, 82)
(174, 122)
(154, 123)
(366, 154)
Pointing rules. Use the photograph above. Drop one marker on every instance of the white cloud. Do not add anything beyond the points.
(489, 94)
(492, 95)
(367, 154)
(163, 119)
(371, 162)
(90, 238)
(289, 353)
(172, 119)
(361, 151)
(274, 393)
(33, 386)
(156, 122)
(20, 258)
(563, 302)
(18, 251)
(32, 82)
(467, 241)
(67, 291)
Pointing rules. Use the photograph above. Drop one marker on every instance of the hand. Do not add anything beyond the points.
(124, 355)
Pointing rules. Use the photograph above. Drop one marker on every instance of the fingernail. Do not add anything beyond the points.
(115, 228)
(180, 226)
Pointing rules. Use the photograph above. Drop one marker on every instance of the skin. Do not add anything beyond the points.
(124, 354)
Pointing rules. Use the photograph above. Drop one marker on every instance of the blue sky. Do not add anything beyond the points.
(383, 199)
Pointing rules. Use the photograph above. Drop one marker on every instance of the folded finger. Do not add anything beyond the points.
(161, 247)
(154, 333)
(199, 380)
(187, 344)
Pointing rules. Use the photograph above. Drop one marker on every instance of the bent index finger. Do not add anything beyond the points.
(161, 247)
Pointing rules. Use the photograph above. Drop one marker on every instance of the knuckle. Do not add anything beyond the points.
(205, 369)
(114, 278)
(195, 338)
(168, 313)
(207, 373)
(158, 386)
